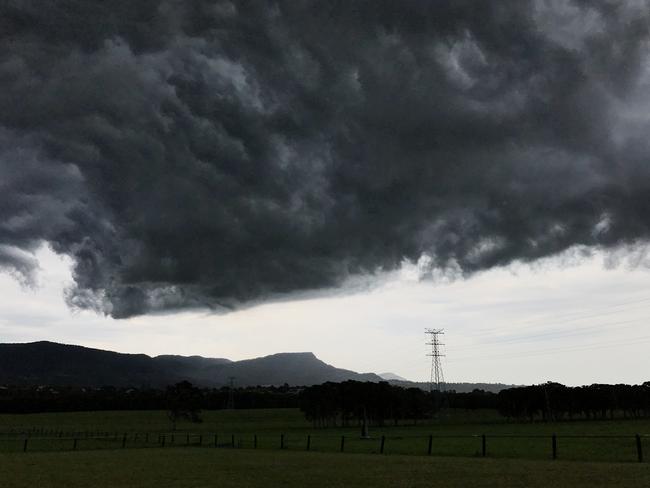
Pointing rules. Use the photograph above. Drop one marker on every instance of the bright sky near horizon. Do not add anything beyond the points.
(575, 321)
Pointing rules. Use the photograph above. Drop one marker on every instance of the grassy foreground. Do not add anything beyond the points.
(183, 468)
(291, 420)
(453, 434)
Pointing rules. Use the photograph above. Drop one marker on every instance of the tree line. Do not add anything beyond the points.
(553, 401)
(353, 402)
(75, 399)
(346, 403)
(342, 404)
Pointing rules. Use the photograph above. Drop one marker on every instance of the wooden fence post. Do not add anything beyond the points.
(200, 439)
(25, 445)
(163, 440)
(308, 442)
(430, 445)
(383, 442)
(74, 444)
(483, 446)
(187, 440)
(554, 445)
(124, 441)
(342, 443)
(639, 448)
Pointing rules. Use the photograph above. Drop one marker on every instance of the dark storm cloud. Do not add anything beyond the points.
(189, 153)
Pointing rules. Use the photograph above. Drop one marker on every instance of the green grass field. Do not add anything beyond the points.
(456, 460)
(454, 434)
(184, 468)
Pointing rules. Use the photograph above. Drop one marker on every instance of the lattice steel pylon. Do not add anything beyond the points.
(437, 377)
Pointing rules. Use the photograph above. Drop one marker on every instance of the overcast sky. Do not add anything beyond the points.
(235, 179)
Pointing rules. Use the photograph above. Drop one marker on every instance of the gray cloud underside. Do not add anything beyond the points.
(212, 153)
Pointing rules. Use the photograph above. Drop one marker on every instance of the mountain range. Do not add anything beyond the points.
(50, 363)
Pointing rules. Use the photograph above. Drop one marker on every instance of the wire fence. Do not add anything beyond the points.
(608, 448)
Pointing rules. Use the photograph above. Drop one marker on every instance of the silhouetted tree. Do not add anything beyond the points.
(183, 402)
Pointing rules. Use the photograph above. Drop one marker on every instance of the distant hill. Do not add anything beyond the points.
(392, 377)
(457, 387)
(48, 363)
(302, 368)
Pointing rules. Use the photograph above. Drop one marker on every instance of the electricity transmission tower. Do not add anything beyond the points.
(437, 378)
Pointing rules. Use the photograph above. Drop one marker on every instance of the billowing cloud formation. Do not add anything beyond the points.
(211, 153)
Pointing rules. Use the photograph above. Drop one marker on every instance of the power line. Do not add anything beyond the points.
(436, 378)
(553, 334)
(567, 317)
(554, 351)
(598, 309)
